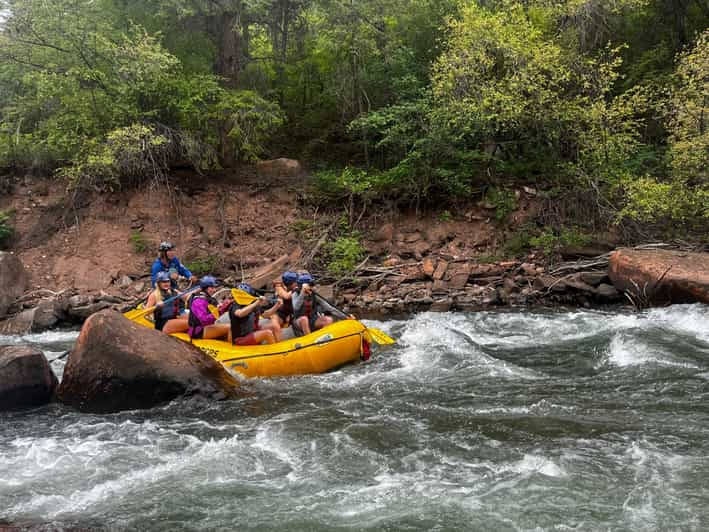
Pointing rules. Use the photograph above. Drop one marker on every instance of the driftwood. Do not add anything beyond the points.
(39, 293)
(596, 263)
(641, 298)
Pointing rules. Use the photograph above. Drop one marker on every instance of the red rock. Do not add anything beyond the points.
(385, 233)
(661, 276)
(458, 275)
(429, 266)
(440, 270)
(118, 365)
(280, 168)
(441, 306)
(439, 287)
(25, 377)
(392, 261)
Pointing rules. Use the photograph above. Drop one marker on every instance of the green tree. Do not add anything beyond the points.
(106, 100)
(682, 197)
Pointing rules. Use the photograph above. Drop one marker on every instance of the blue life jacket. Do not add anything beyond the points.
(172, 309)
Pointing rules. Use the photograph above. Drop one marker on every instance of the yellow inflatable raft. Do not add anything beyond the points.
(336, 345)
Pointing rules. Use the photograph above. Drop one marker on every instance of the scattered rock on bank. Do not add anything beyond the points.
(657, 276)
(442, 283)
(40, 318)
(119, 365)
(26, 379)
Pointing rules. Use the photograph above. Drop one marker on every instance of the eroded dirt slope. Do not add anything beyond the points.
(234, 222)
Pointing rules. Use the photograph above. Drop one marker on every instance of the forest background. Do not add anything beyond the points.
(600, 106)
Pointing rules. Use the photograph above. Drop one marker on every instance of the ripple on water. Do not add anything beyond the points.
(534, 420)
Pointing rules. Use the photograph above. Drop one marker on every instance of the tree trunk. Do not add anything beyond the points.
(228, 35)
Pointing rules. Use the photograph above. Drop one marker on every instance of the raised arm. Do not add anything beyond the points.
(270, 312)
(248, 309)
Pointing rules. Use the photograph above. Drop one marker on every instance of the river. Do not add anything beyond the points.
(519, 420)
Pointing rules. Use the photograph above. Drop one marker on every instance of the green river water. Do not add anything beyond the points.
(521, 420)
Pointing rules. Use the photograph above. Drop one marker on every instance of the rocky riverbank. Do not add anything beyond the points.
(72, 257)
(640, 276)
(117, 364)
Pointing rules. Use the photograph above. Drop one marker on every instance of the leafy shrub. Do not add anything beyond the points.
(350, 182)
(345, 254)
(127, 152)
(445, 216)
(503, 201)
(551, 241)
(137, 239)
(547, 241)
(7, 231)
(202, 266)
(517, 243)
(680, 200)
(302, 226)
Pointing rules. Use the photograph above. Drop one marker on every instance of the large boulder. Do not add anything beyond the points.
(660, 276)
(118, 365)
(13, 280)
(280, 168)
(25, 377)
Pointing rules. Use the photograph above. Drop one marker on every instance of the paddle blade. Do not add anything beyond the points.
(380, 336)
(138, 313)
(241, 297)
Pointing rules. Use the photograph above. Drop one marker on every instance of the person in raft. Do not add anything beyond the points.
(167, 261)
(284, 288)
(309, 310)
(244, 320)
(169, 318)
(201, 321)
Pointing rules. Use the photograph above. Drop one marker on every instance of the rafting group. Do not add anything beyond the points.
(243, 319)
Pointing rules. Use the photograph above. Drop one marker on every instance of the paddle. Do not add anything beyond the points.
(377, 335)
(244, 298)
(138, 313)
(241, 297)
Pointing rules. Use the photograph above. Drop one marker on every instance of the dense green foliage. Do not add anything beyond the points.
(345, 254)
(423, 103)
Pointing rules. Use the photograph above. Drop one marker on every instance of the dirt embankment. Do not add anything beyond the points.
(100, 247)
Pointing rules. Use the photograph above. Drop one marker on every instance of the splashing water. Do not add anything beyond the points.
(535, 420)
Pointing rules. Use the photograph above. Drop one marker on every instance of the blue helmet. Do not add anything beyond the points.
(289, 278)
(162, 277)
(246, 287)
(305, 278)
(207, 281)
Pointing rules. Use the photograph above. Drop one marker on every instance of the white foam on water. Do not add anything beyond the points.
(692, 320)
(534, 328)
(84, 484)
(625, 350)
(531, 463)
(47, 337)
(434, 345)
(659, 478)
(276, 449)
